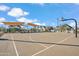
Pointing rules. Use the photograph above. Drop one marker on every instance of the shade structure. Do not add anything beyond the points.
(31, 24)
(13, 23)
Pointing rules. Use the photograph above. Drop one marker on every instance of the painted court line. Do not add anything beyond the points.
(34, 40)
(14, 45)
(51, 46)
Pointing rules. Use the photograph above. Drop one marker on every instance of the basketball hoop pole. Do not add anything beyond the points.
(62, 19)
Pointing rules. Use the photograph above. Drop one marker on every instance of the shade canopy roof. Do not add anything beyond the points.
(19, 23)
(31, 24)
(13, 23)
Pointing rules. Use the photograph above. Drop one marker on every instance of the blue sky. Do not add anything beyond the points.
(39, 13)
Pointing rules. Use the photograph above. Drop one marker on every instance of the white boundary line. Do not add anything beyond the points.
(34, 40)
(14, 45)
(51, 46)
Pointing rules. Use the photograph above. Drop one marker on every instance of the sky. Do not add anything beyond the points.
(48, 14)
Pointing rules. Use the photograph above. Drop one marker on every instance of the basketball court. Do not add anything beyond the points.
(39, 44)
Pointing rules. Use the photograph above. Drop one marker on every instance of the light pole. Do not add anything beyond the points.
(62, 19)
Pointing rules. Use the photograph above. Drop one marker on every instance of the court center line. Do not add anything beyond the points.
(51, 46)
(14, 45)
(34, 40)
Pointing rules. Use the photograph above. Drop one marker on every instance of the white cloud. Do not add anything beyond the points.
(41, 24)
(2, 20)
(22, 19)
(17, 12)
(4, 8)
